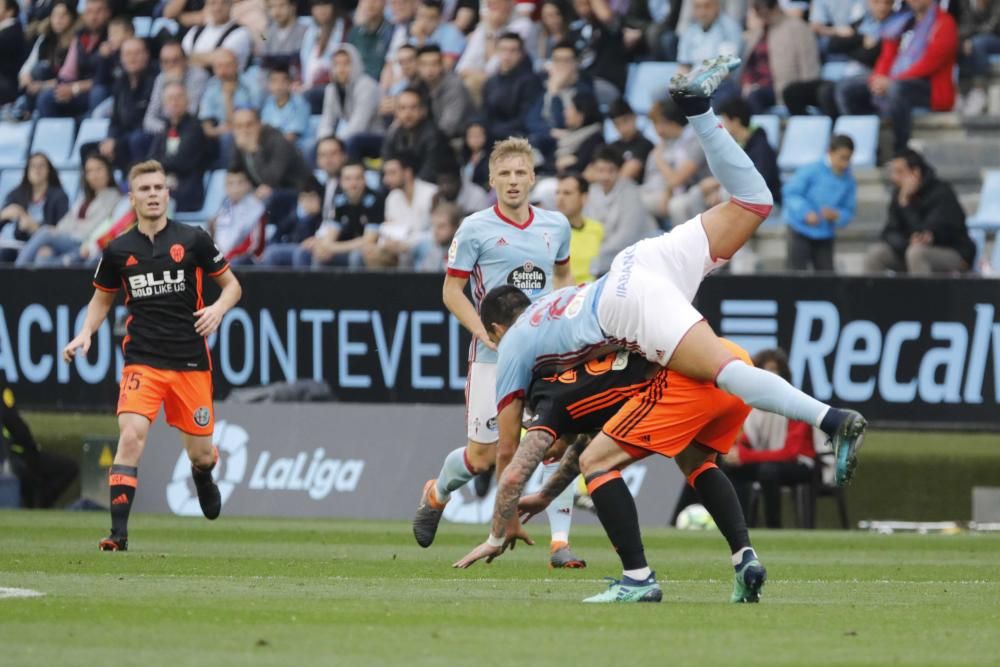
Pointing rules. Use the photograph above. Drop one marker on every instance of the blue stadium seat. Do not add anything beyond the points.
(70, 179)
(834, 70)
(9, 179)
(54, 137)
(987, 216)
(91, 129)
(806, 139)
(14, 141)
(864, 131)
(142, 26)
(161, 23)
(771, 125)
(647, 83)
(215, 192)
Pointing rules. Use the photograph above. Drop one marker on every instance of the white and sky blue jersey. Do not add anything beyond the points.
(492, 250)
(555, 332)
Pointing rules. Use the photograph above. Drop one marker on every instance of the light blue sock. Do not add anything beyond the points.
(769, 392)
(560, 510)
(729, 163)
(454, 474)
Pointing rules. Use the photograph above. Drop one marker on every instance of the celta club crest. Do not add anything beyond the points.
(177, 252)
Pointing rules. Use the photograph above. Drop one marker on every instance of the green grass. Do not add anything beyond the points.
(297, 592)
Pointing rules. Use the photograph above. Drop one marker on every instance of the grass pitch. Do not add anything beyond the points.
(303, 592)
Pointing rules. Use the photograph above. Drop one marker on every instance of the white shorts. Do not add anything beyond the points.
(481, 403)
(646, 301)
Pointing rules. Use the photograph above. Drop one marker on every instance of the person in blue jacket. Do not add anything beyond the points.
(818, 200)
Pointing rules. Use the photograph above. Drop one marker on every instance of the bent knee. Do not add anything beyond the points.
(479, 458)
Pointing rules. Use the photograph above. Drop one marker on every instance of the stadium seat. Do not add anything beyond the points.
(142, 25)
(806, 139)
(215, 192)
(91, 129)
(987, 216)
(14, 141)
(771, 125)
(834, 70)
(54, 137)
(647, 82)
(864, 131)
(163, 24)
(70, 179)
(9, 180)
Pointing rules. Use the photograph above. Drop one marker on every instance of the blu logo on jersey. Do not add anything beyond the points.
(528, 278)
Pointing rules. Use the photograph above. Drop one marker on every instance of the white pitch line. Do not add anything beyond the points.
(19, 593)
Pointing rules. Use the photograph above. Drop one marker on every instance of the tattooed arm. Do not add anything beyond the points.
(569, 468)
(513, 479)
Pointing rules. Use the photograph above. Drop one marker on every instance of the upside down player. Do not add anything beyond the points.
(161, 264)
(688, 420)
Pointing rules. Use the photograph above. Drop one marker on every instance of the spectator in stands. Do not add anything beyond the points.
(331, 156)
(13, 49)
(187, 13)
(914, 69)
(407, 214)
(350, 105)
(675, 168)
(370, 35)
(428, 28)
(860, 42)
(772, 451)
(275, 166)
(398, 75)
(631, 143)
(40, 71)
(597, 34)
(238, 227)
(282, 109)
(475, 155)
(181, 148)
(285, 247)
(450, 101)
(510, 94)
(358, 213)
(782, 52)
(109, 65)
(647, 31)
(219, 32)
(71, 95)
(832, 18)
(556, 16)
(819, 200)
(283, 37)
(481, 59)
(322, 38)
(926, 231)
(225, 92)
(711, 33)
(583, 135)
(463, 13)
(735, 116)
(547, 118)
(616, 202)
(431, 255)
(979, 37)
(173, 68)
(38, 200)
(127, 141)
(402, 14)
(98, 198)
(468, 197)
(586, 234)
(414, 132)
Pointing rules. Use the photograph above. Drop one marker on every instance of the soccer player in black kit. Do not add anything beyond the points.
(162, 265)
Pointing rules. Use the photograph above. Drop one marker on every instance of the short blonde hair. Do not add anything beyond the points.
(147, 167)
(512, 147)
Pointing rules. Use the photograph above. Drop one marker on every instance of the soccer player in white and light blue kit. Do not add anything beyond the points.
(515, 244)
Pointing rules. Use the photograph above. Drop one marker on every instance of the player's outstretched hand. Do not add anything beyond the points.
(81, 342)
(530, 505)
(484, 550)
(207, 320)
(515, 532)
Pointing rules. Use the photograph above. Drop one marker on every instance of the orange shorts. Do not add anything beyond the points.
(186, 397)
(675, 411)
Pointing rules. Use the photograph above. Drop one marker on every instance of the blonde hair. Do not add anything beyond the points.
(147, 167)
(512, 147)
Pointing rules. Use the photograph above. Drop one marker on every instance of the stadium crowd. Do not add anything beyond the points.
(355, 133)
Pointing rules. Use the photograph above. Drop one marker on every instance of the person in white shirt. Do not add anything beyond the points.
(480, 60)
(237, 228)
(220, 31)
(407, 214)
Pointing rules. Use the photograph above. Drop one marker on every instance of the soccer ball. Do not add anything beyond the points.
(695, 517)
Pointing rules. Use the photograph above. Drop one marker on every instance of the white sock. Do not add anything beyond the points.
(729, 163)
(642, 574)
(769, 392)
(454, 474)
(738, 556)
(560, 510)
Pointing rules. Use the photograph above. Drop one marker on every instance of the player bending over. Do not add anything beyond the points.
(161, 264)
